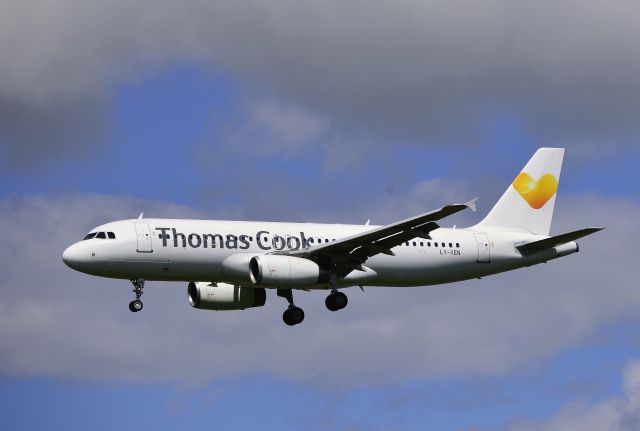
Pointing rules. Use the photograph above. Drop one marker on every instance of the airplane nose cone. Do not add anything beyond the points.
(72, 256)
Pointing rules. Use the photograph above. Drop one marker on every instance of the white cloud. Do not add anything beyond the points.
(616, 414)
(287, 126)
(55, 322)
(266, 127)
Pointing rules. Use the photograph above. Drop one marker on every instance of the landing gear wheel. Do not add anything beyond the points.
(336, 301)
(330, 303)
(135, 305)
(293, 316)
(138, 286)
(297, 314)
(341, 300)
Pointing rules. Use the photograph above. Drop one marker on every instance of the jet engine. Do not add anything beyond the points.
(208, 296)
(278, 270)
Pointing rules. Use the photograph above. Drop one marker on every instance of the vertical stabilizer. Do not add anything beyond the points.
(528, 203)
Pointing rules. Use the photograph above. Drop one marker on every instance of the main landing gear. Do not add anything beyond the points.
(136, 304)
(295, 315)
(336, 300)
(292, 315)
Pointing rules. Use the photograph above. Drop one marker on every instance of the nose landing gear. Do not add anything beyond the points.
(136, 304)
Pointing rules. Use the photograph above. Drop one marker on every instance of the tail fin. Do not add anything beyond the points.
(528, 203)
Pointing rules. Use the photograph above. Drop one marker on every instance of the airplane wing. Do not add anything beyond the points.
(554, 241)
(348, 254)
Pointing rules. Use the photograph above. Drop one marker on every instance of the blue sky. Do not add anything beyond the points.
(252, 115)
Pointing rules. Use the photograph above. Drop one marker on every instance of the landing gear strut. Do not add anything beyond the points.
(292, 315)
(336, 301)
(136, 304)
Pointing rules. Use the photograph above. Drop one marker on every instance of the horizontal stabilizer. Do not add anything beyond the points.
(557, 240)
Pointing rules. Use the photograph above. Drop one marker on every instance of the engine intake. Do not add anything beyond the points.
(278, 270)
(224, 296)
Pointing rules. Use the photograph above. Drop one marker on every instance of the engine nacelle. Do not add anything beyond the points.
(279, 270)
(224, 296)
(235, 267)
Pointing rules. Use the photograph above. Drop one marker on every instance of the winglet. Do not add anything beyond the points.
(472, 204)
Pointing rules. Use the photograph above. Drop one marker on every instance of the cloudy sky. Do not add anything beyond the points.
(330, 112)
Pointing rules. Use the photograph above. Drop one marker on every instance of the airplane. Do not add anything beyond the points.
(229, 265)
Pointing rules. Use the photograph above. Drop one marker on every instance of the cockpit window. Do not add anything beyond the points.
(100, 235)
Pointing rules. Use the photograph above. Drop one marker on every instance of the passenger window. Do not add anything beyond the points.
(457, 245)
(101, 235)
(407, 243)
(421, 244)
(111, 235)
(414, 243)
(311, 240)
(450, 245)
(435, 244)
(443, 244)
(326, 240)
(428, 244)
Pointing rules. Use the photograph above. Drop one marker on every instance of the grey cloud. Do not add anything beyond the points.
(432, 71)
(437, 70)
(55, 322)
(61, 59)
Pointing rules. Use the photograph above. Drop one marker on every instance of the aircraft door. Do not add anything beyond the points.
(483, 248)
(143, 235)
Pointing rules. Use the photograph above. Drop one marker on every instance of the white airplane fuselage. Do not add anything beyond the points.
(229, 265)
(205, 250)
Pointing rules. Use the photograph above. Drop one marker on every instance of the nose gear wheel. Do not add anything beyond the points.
(138, 286)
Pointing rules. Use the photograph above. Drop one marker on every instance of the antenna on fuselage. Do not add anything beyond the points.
(367, 222)
(140, 216)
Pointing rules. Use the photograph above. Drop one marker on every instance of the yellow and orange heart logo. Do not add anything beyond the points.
(536, 193)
